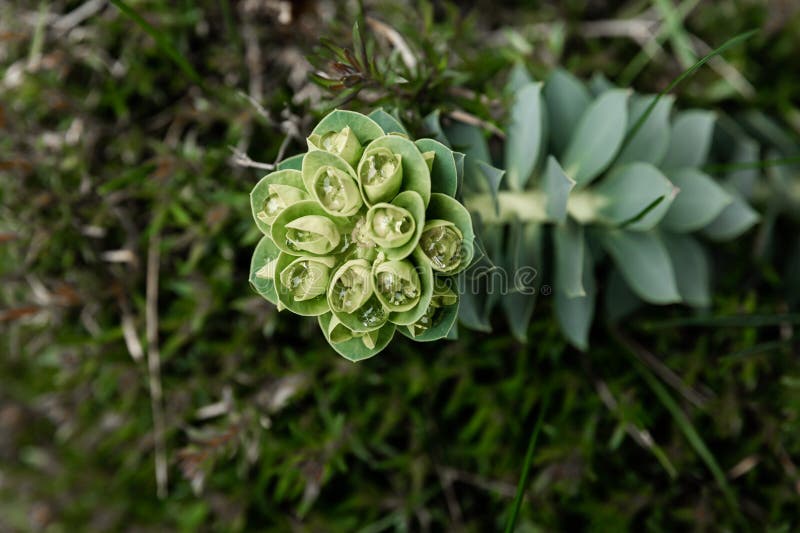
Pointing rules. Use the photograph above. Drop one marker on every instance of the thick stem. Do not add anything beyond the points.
(530, 206)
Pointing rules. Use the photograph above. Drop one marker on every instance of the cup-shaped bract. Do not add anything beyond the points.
(274, 193)
(352, 299)
(397, 284)
(447, 238)
(336, 191)
(380, 173)
(306, 228)
(307, 277)
(343, 143)
(439, 316)
(302, 282)
(416, 175)
(390, 226)
(355, 346)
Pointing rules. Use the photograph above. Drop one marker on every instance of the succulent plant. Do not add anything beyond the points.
(364, 232)
(591, 173)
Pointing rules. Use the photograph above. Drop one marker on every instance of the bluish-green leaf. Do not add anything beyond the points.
(699, 201)
(575, 314)
(644, 262)
(629, 193)
(690, 139)
(652, 140)
(525, 135)
(557, 186)
(522, 264)
(567, 99)
(569, 247)
(735, 219)
(691, 272)
(294, 162)
(620, 301)
(518, 78)
(598, 136)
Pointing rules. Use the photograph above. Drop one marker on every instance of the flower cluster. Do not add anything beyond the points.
(363, 231)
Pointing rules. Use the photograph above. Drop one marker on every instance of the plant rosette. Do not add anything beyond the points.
(364, 231)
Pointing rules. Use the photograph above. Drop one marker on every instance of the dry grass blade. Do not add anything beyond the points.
(154, 363)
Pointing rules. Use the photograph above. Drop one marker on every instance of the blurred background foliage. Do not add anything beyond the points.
(143, 386)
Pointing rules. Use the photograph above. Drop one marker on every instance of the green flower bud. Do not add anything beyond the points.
(397, 285)
(336, 191)
(343, 143)
(279, 198)
(381, 174)
(442, 244)
(307, 278)
(350, 287)
(390, 226)
(314, 234)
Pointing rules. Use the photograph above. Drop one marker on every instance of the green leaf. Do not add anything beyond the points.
(518, 78)
(598, 137)
(354, 349)
(388, 122)
(699, 201)
(575, 314)
(261, 275)
(690, 139)
(734, 220)
(433, 126)
(523, 261)
(620, 301)
(364, 127)
(569, 247)
(525, 135)
(469, 140)
(651, 143)
(693, 273)
(567, 99)
(445, 323)
(416, 176)
(557, 186)
(491, 178)
(600, 84)
(644, 263)
(294, 162)
(444, 173)
(628, 196)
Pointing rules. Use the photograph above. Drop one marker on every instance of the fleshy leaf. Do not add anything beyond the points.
(690, 139)
(523, 262)
(575, 314)
(692, 274)
(557, 186)
(651, 142)
(699, 201)
(569, 261)
(294, 162)
(598, 136)
(734, 220)
(628, 196)
(567, 99)
(644, 262)
(525, 135)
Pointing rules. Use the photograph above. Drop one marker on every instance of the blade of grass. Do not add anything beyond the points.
(162, 41)
(676, 32)
(688, 72)
(730, 321)
(526, 467)
(683, 422)
(745, 165)
(638, 63)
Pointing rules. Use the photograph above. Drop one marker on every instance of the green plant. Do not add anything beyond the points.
(363, 231)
